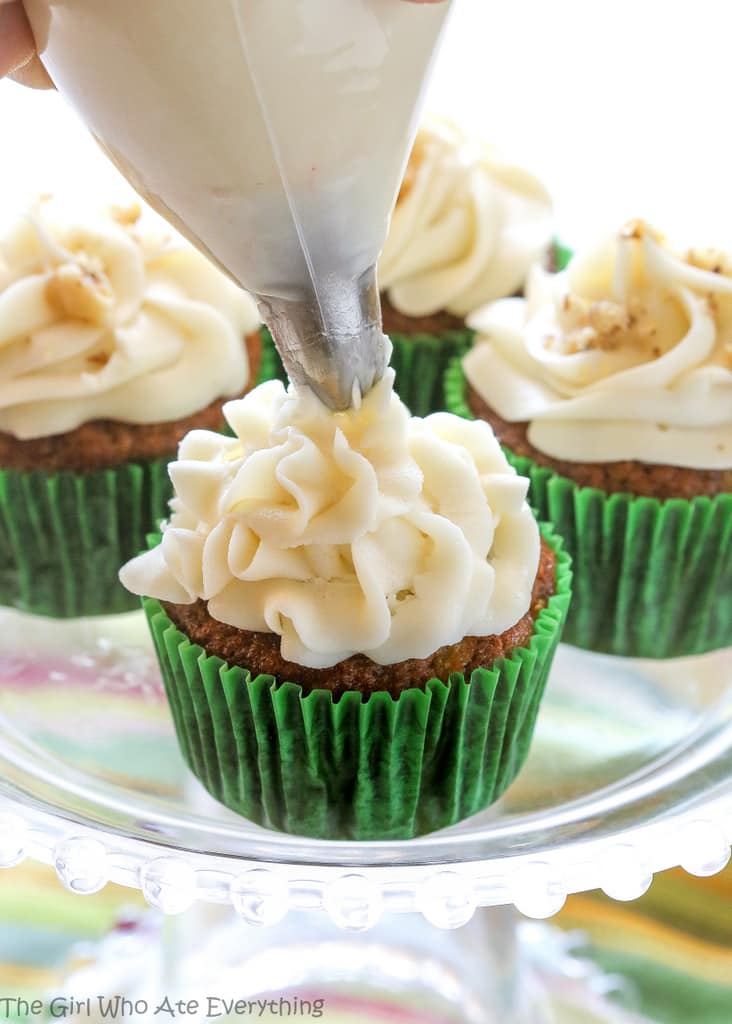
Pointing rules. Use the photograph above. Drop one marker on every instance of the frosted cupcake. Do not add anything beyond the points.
(611, 387)
(115, 340)
(466, 229)
(354, 613)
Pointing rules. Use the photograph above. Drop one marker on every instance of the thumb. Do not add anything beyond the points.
(18, 56)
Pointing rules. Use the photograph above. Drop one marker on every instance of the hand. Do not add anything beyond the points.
(18, 57)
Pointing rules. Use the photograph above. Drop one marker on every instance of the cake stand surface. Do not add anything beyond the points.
(630, 773)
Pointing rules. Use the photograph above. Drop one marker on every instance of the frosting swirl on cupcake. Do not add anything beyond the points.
(626, 355)
(359, 532)
(466, 227)
(104, 318)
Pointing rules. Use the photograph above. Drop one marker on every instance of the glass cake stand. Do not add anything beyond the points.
(630, 773)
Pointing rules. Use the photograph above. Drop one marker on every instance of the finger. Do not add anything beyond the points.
(33, 74)
(18, 56)
(16, 39)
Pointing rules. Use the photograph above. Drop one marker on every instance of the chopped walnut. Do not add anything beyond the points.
(127, 216)
(638, 229)
(98, 360)
(81, 290)
(715, 261)
(604, 324)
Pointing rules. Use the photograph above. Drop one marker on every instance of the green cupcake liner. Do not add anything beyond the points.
(420, 361)
(561, 255)
(276, 369)
(652, 578)
(64, 536)
(270, 366)
(355, 767)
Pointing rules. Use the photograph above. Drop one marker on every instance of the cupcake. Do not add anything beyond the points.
(610, 386)
(115, 340)
(466, 229)
(355, 614)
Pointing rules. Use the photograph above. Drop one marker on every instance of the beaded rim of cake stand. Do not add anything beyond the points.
(85, 860)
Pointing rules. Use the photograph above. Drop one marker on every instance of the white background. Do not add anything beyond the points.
(623, 107)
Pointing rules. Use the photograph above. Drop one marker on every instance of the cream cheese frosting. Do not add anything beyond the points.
(626, 355)
(365, 532)
(466, 228)
(105, 317)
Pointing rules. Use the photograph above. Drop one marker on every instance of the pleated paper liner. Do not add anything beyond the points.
(270, 367)
(560, 255)
(276, 371)
(64, 536)
(652, 578)
(420, 361)
(358, 767)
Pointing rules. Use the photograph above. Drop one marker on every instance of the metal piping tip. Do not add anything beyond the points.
(332, 343)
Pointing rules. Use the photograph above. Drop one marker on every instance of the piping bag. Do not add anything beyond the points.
(273, 134)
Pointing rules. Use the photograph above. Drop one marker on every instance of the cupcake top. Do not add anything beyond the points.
(103, 317)
(625, 356)
(365, 531)
(466, 227)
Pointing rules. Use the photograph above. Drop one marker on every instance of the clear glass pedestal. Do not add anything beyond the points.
(630, 773)
(498, 968)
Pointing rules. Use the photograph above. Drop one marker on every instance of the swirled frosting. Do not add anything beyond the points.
(626, 355)
(102, 317)
(360, 532)
(466, 227)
